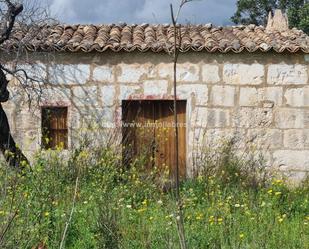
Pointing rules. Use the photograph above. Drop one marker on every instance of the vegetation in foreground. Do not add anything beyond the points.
(89, 201)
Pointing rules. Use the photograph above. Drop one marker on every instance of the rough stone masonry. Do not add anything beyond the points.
(261, 99)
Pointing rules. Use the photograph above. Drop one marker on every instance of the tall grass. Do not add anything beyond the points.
(226, 206)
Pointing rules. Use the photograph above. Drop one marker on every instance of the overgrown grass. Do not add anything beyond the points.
(117, 208)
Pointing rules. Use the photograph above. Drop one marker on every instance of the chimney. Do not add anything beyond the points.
(278, 22)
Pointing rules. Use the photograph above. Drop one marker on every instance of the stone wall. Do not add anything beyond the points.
(261, 99)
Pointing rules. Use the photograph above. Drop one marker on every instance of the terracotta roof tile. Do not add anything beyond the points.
(157, 38)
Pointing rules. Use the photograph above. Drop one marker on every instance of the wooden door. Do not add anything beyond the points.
(149, 132)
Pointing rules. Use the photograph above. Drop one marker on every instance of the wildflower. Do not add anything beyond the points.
(46, 214)
(270, 191)
(144, 202)
(141, 210)
(160, 202)
(211, 219)
(199, 217)
(281, 218)
(169, 216)
(237, 205)
(277, 182)
(150, 218)
(241, 236)
(129, 206)
(278, 193)
(220, 220)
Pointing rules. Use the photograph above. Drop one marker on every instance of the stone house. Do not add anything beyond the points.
(248, 82)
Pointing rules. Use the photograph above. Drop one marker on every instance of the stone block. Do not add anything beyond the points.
(30, 140)
(218, 138)
(297, 97)
(283, 74)
(296, 138)
(248, 96)
(291, 160)
(27, 120)
(54, 95)
(103, 74)
(64, 74)
(108, 95)
(252, 117)
(272, 94)
(222, 95)
(265, 138)
(210, 117)
(210, 73)
(128, 90)
(132, 73)
(85, 96)
(186, 72)
(36, 71)
(155, 87)
(289, 118)
(186, 91)
(243, 74)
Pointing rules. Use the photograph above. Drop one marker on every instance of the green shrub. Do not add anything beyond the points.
(230, 204)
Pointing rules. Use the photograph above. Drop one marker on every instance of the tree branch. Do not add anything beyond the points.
(9, 20)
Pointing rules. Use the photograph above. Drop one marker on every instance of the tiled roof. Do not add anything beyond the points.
(156, 38)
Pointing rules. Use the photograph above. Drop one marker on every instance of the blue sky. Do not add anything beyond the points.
(141, 11)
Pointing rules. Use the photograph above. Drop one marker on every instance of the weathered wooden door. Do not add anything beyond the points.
(148, 132)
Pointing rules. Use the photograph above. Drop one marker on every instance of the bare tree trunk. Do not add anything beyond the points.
(13, 155)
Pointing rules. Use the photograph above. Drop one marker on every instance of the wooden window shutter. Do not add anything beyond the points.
(54, 127)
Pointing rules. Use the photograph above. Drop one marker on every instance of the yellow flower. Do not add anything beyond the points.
(46, 214)
(144, 202)
(280, 220)
(270, 191)
(141, 210)
(278, 193)
(150, 218)
(277, 182)
(199, 217)
(241, 236)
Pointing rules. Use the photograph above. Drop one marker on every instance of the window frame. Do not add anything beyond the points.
(46, 145)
